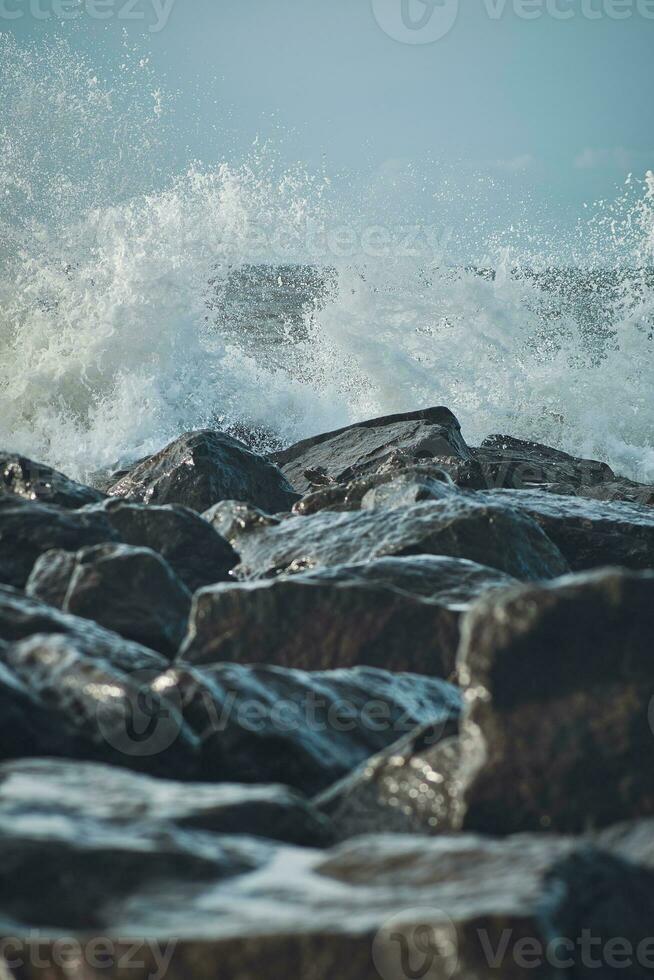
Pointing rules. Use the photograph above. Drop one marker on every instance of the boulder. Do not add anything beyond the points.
(132, 591)
(88, 791)
(359, 449)
(459, 526)
(55, 701)
(29, 528)
(22, 616)
(376, 908)
(201, 468)
(390, 486)
(22, 477)
(58, 871)
(557, 734)
(589, 533)
(395, 613)
(263, 724)
(519, 464)
(193, 549)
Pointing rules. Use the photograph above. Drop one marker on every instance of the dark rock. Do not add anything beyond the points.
(377, 907)
(557, 734)
(22, 477)
(261, 724)
(201, 468)
(29, 528)
(592, 893)
(132, 591)
(389, 487)
(194, 550)
(589, 533)
(490, 534)
(231, 519)
(55, 701)
(394, 791)
(395, 613)
(59, 872)
(90, 791)
(522, 465)
(22, 616)
(360, 449)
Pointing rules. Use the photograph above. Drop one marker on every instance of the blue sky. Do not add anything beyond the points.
(553, 100)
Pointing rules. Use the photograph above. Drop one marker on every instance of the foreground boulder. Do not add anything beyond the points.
(22, 616)
(356, 450)
(132, 591)
(377, 907)
(589, 533)
(87, 791)
(55, 701)
(395, 613)
(558, 684)
(22, 477)
(261, 724)
(193, 549)
(517, 464)
(459, 526)
(201, 468)
(29, 528)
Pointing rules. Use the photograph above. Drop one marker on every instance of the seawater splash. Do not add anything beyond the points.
(136, 303)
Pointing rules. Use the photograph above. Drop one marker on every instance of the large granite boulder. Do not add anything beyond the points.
(459, 526)
(56, 701)
(28, 528)
(132, 591)
(88, 791)
(395, 613)
(359, 449)
(201, 468)
(589, 533)
(22, 616)
(193, 549)
(558, 729)
(262, 724)
(22, 477)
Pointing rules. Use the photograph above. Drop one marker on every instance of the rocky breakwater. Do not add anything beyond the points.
(379, 706)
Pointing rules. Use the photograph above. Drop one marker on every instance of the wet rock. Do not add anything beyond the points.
(22, 477)
(29, 528)
(201, 468)
(491, 534)
(379, 906)
(59, 872)
(388, 487)
(132, 591)
(589, 533)
(55, 701)
(518, 464)
(263, 724)
(359, 449)
(231, 519)
(90, 791)
(558, 685)
(194, 550)
(22, 616)
(395, 613)
(394, 791)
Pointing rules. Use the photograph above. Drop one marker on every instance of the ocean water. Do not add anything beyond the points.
(139, 300)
